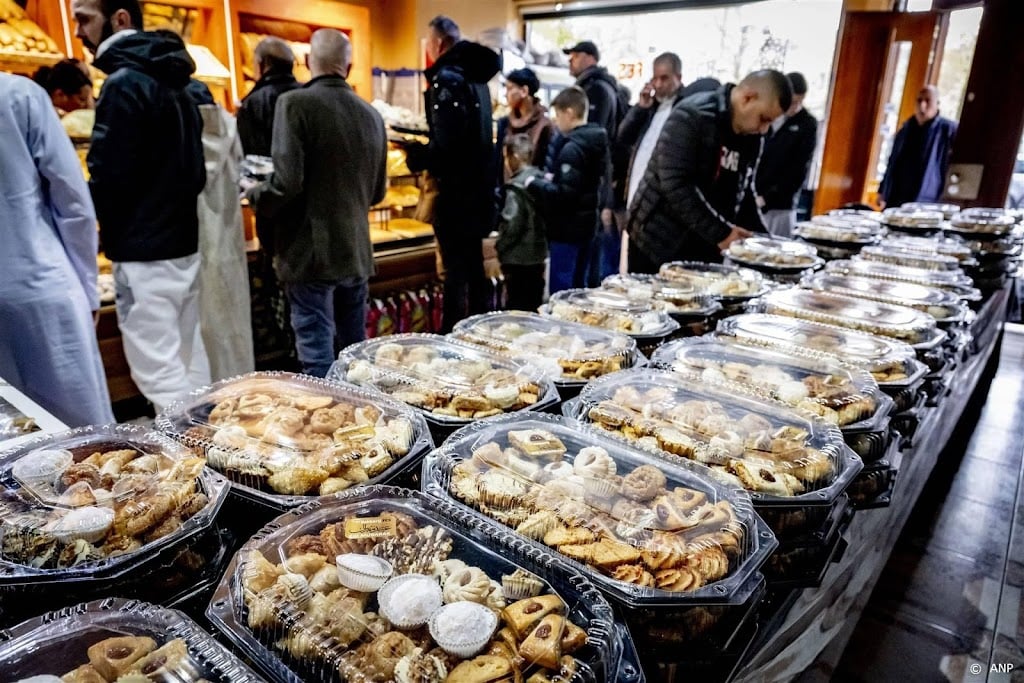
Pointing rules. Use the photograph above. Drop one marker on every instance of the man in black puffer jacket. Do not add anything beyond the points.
(460, 156)
(569, 195)
(698, 193)
(146, 172)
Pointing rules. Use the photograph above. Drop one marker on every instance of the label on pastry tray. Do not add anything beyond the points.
(371, 527)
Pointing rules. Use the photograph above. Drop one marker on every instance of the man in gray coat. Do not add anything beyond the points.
(329, 150)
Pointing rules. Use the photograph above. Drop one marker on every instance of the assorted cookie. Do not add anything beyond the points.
(626, 522)
(383, 599)
(608, 310)
(74, 507)
(714, 279)
(773, 253)
(134, 659)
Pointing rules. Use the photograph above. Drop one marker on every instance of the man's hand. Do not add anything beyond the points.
(737, 233)
(646, 100)
(881, 205)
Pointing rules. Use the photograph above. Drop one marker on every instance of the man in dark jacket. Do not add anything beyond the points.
(330, 161)
(698, 194)
(147, 170)
(920, 155)
(274, 64)
(460, 157)
(569, 195)
(782, 172)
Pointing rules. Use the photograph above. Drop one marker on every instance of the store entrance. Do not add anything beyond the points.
(884, 60)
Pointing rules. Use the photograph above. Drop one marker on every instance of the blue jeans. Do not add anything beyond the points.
(604, 254)
(322, 311)
(568, 265)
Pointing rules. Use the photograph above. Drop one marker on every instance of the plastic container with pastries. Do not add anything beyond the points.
(772, 255)
(117, 640)
(947, 210)
(994, 250)
(847, 232)
(571, 353)
(88, 505)
(866, 214)
(897, 322)
(945, 246)
(729, 284)
(665, 540)
(838, 393)
(941, 304)
(955, 281)
(911, 259)
(982, 224)
(381, 584)
(451, 383)
(681, 302)
(913, 220)
(611, 311)
(283, 439)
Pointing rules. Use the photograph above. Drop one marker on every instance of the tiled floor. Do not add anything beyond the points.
(948, 605)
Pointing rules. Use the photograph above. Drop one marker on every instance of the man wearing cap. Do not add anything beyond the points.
(788, 149)
(526, 116)
(600, 86)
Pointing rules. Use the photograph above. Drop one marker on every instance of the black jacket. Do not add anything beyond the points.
(698, 185)
(786, 160)
(256, 113)
(330, 159)
(146, 158)
(461, 150)
(606, 110)
(570, 200)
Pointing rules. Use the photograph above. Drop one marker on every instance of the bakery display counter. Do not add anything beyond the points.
(24, 46)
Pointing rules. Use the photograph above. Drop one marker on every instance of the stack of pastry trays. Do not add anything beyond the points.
(284, 439)
(572, 354)
(945, 246)
(914, 221)
(943, 305)
(644, 321)
(387, 584)
(676, 548)
(947, 210)
(794, 465)
(955, 281)
(451, 383)
(912, 259)
(681, 301)
(731, 285)
(848, 233)
(840, 394)
(983, 224)
(995, 240)
(116, 640)
(778, 257)
(82, 509)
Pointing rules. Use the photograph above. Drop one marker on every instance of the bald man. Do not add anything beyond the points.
(920, 155)
(698, 194)
(329, 150)
(274, 64)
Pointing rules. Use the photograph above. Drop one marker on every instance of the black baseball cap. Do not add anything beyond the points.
(524, 77)
(587, 47)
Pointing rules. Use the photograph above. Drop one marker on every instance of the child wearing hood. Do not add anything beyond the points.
(522, 244)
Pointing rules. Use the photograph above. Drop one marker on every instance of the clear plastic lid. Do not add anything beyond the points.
(283, 438)
(837, 230)
(677, 299)
(572, 352)
(886, 271)
(911, 259)
(899, 322)
(725, 282)
(749, 441)
(647, 531)
(610, 310)
(95, 502)
(840, 394)
(1005, 247)
(449, 381)
(903, 217)
(859, 213)
(983, 221)
(947, 210)
(945, 246)
(117, 640)
(774, 254)
(386, 584)
(941, 304)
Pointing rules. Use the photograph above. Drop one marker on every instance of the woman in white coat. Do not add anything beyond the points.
(48, 346)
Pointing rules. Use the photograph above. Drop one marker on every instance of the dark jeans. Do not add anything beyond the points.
(604, 254)
(464, 291)
(524, 286)
(638, 261)
(568, 265)
(322, 311)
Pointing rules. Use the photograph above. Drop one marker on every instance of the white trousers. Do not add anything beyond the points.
(780, 222)
(158, 313)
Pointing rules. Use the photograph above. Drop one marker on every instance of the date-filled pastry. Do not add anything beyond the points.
(543, 646)
(523, 615)
(113, 657)
(169, 662)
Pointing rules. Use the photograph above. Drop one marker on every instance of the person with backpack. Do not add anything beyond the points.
(569, 194)
(522, 244)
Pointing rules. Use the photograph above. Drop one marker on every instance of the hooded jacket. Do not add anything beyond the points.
(461, 150)
(698, 184)
(146, 159)
(570, 200)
